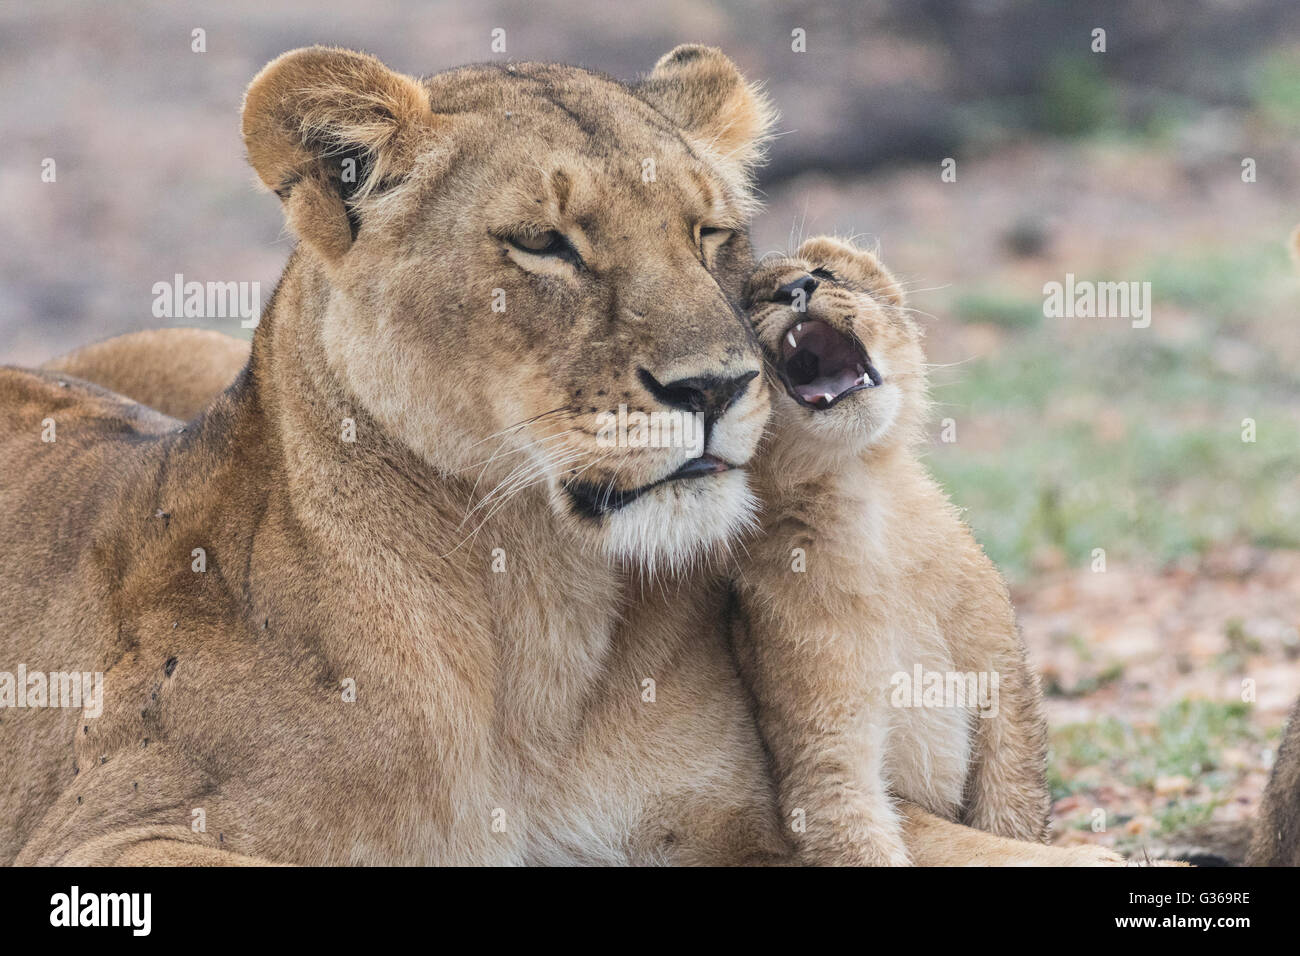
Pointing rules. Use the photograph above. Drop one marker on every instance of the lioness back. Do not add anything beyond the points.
(67, 449)
(176, 371)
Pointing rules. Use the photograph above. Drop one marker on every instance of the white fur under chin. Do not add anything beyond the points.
(860, 421)
(676, 523)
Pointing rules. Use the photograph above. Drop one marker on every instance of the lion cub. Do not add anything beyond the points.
(877, 637)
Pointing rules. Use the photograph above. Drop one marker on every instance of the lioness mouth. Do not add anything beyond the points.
(594, 500)
(820, 365)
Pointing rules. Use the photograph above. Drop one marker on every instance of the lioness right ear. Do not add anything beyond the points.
(324, 128)
(700, 90)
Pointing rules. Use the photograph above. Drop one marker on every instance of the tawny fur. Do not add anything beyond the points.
(864, 570)
(1275, 837)
(661, 624)
(499, 717)
(493, 710)
(176, 371)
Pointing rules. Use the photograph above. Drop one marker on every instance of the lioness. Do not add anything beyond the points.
(864, 584)
(318, 635)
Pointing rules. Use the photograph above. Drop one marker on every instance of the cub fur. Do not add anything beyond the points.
(865, 582)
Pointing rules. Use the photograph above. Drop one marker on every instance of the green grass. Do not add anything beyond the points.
(1122, 439)
(1076, 96)
(1276, 88)
(1178, 815)
(1187, 739)
(1009, 312)
(1220, 283)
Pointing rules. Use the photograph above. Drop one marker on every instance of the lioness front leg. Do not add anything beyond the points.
(934, 841)
(144, 847)
(134, 809)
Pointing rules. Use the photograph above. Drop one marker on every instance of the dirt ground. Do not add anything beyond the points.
(1133, 660)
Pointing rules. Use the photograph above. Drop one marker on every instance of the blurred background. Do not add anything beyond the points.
(1169, 672)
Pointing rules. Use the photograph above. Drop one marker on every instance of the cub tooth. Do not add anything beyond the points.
(789, 337)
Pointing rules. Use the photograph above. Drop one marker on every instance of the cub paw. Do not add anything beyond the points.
(1091, 854)
(858, 843)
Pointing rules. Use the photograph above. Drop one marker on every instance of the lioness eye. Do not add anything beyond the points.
(714, 235)
(549, 243)
(824, 274)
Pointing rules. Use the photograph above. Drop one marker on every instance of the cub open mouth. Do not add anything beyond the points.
(820, 365)
(593, 500)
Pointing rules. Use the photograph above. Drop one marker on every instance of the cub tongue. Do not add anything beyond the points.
(824, 389)
(820, 363)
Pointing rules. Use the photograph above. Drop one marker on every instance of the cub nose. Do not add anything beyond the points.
(710, 395)
(786, 294)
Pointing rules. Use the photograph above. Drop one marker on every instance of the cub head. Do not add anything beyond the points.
(843, 355)
(511, 257)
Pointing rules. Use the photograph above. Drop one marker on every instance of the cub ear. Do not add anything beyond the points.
(700, 90)
(324, 128)
(856, 265)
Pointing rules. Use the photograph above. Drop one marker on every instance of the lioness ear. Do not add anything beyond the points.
(324, 128)
(701, 91)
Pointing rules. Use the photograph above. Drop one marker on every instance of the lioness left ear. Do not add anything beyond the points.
(702, 92)
(326, 127)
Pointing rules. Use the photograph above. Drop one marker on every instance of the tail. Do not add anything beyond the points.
(1209, 844)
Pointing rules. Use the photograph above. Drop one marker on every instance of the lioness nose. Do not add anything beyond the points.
(786, 293)
(710, 395)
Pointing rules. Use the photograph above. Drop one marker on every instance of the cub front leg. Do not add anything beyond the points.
(826, 754)
(1006, 792)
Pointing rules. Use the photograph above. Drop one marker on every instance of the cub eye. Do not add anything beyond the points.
(549, 243)
(824, 274)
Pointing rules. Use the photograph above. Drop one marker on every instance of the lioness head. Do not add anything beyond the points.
(512, 252)
(842, 350)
